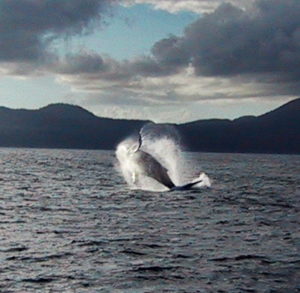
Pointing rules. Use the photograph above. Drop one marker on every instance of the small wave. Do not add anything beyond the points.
(240, 257)
(39, 258)
(132, 252)
(156, 269)
(90, 243)
(38, 280)
(14, 249)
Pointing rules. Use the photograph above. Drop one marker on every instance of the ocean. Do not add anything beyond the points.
(69, 223)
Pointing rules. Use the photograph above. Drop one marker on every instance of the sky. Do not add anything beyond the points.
(163, 60)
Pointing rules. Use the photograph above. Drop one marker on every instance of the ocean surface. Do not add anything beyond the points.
(69, 223)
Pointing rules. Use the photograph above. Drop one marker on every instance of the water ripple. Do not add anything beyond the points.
(68, 223)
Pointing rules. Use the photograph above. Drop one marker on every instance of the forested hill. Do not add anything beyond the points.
(277, 131)
(68, 126)
(62, 126)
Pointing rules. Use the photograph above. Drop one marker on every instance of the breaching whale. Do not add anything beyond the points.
(141, 163)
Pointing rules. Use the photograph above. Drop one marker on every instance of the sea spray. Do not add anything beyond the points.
(163, 143)
(132, 171)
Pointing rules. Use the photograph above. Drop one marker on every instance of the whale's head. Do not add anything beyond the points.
(128, 147)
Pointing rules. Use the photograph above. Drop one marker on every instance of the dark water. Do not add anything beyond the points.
(68, 223)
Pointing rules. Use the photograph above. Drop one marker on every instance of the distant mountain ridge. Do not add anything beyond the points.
(69, 126)
(277, 131)
(61, 126)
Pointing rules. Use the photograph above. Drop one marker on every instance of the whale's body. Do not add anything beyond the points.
(146, 165)
(140, 163)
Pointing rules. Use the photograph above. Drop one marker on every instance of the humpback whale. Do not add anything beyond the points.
(141, 163)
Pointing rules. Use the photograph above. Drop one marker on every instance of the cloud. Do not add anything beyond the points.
(197, 6)
(179, 89)
(231, 52)
(28, 27)
(91, 65)
(178, 97)
(260, 44)
(227, 42)
(233, 41)
(183, 97)
(83, 63)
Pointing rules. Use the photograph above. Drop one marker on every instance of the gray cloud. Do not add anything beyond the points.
(231, 52)
(171, 53)
(226, 42)
(229, 41)
(27, 27)
(93, 65)
(83, 63)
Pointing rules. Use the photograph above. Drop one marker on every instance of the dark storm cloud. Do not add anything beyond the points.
(229, 41)
(226, 42)
(82, 63)
(170, 53)
(168, 57)
(93, 65)
(27, 27)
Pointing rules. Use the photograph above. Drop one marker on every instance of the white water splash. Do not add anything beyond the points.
(162, 143)
(204, 181)
(131, 170)
(168, 153)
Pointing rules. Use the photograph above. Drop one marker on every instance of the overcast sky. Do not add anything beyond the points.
(165, 60)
